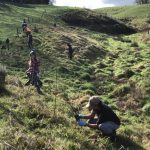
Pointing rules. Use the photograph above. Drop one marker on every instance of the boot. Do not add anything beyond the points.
(113, 136)
(40, 83)
(38, 89)
(28, 83)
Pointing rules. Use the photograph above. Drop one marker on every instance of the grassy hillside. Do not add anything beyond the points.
(115, 67)
(138, 11)
(136, 15)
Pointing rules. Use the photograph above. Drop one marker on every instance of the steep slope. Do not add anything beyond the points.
(113, 67)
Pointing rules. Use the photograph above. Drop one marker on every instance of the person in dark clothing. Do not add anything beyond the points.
(30, 39)
(24, 25)
(55, 25)
(7, 43)
(70, 51)
(107, 121)
(33, 71)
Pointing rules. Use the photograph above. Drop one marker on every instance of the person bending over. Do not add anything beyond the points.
(107, 121)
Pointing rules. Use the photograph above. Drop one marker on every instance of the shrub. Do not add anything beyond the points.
(63, 69)
(134, 44)
(121, 90)
(65, 96)
(2, 75)
(88, 86)
(89, 92)
(126, 40)
(146, 109)
(72, 146)
(126, 74)
(129, 73)
(86, 76)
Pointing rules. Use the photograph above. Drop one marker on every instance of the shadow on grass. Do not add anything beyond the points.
(126, 143)
(15, 116)
(4, 92)
(41, 92)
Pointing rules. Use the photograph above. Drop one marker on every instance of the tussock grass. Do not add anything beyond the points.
(105, 65)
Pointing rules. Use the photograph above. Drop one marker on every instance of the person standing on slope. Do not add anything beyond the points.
(70, 51)
(33, 71)
(7, 43)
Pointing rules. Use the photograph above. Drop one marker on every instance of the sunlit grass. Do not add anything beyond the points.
(113, 67)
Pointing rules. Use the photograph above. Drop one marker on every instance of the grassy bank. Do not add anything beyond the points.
(115, 67)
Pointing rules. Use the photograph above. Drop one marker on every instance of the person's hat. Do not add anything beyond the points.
(93, 101)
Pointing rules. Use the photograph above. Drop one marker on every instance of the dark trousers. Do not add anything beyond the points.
(30, 44)
(7, 46)
(34, 80)
(70, 55)
(94, 121)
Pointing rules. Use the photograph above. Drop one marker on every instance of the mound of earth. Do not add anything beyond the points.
(96, 22)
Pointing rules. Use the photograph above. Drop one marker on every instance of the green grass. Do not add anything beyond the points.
(113, 67)
(138, 11)
(136, 15)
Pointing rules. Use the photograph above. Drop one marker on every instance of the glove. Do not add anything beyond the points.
(77, 117)
(82, 123)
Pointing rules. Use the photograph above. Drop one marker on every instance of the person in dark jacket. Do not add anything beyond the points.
(107, 121)
(70, 51)
(7, 43)
(24, 24)
(33, 71)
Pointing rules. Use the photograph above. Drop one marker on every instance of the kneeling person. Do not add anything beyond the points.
(107, 120)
